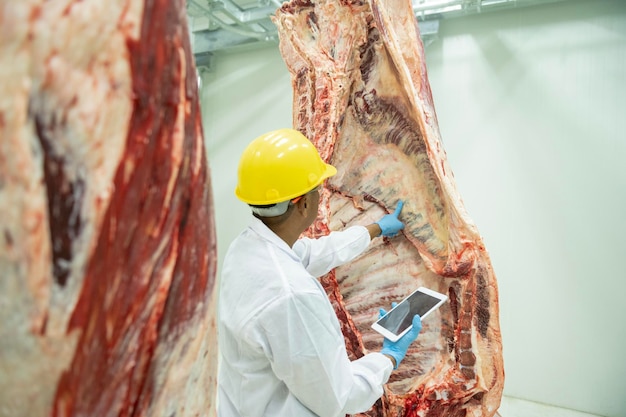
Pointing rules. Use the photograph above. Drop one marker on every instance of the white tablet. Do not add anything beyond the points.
(398, 321)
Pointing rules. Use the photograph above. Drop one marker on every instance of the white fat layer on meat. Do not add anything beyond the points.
(442, 395)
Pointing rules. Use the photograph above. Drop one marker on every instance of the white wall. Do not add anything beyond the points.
(532, 108)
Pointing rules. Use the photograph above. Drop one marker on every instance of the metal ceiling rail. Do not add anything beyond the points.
(226, 25)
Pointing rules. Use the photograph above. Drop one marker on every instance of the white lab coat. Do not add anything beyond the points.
(281, 348)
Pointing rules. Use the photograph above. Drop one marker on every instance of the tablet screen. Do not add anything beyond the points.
(401, 317)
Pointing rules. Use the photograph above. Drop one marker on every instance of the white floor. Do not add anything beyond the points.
(513, 407)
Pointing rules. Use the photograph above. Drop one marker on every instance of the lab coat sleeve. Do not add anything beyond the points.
(321, 255)
(308, 354)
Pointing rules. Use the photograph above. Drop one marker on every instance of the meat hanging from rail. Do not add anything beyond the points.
(107, 241)
(361, 94)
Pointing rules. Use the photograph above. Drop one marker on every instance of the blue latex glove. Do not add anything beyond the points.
(398, 349)
(389, 223)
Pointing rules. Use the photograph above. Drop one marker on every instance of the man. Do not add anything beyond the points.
(281, 347)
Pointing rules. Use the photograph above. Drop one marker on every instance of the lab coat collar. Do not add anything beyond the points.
(266, 233)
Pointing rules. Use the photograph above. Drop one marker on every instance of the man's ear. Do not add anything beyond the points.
(301, 205)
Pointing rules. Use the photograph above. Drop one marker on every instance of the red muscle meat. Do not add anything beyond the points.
(107, 241)
(361, 93)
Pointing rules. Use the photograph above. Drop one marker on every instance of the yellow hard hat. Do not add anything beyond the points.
(278, 166)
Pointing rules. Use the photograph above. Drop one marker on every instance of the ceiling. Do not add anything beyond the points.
(231, 25)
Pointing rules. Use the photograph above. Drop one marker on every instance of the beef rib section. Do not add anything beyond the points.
(361, 94)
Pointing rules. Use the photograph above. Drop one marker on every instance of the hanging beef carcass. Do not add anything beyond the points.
(361, 93)
(107, 242)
